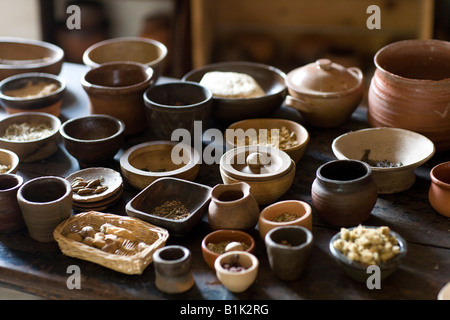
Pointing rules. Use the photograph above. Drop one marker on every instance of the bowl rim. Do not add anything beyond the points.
(308, 241)
(60, 180)
(19, 179)
(65, 135)
(254, 263)
(91, 63)
(434, 177)
(341, 156)
(15, 160)
(204, 243)
(304, 204)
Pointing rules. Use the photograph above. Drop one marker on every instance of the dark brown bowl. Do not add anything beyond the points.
(227, 110)
(18, 55)
(93, 140)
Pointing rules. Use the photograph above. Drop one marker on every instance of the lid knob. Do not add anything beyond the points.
(256, 161)
(324, 64)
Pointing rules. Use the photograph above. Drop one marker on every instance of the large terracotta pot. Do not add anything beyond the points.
(410, 89)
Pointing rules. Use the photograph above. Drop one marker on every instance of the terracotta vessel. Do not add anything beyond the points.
(439, 192)
(410, 89)
(232, 206)
(10, 214)
(344, 192)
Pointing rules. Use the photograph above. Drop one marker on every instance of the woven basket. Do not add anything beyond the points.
(154, 237)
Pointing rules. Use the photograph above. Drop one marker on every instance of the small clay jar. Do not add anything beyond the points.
(439, 192)
(173, 269)
(344, 192)
(232, 206)
(10, 214)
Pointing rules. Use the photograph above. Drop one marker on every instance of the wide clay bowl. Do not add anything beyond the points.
(30, 147)
(35, 92)
(392, 153)
(293, 138)
(144, 163)
(154, 204)
(285, 213)
(410, 89)
(439, 192)
(358, 270)
(215, 243)
(142, 50)
(228, 110)
(9, 161)
(94, 139)
(19, 55)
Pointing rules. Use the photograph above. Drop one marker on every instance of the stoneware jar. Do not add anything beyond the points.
(173, 269)
(232, 206)
(10, 214)
(439, 192)
(344, 192)
(288, 249)
(45, 202)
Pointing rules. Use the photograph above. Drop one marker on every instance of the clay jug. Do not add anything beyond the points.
(10, 214)
(232, 206)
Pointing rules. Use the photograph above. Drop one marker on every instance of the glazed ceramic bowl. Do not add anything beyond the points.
(237, 281)
(93, 140)
(228, 110)
(439, 192)
(9, 161)
(116, 89)
(144, 163)
(393, 154)
(324, 92)
(193, 196)
(136, 49)
(269, 171)
(35, 148)
(177, 105)
(35, 92)
(19, 55)
(214, 244)
(285, 213)
(242, 132)
(358, 271)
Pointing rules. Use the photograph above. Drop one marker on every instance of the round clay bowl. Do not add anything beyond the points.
(411, 89)
(439, 192)
(10, 159)
(296, 152)
(19, 55)
(398, 146)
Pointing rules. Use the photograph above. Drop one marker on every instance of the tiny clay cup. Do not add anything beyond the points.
(439, 192)
(10, 215)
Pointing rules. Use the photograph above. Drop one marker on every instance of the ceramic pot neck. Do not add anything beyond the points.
(229, 194)
(344, 173)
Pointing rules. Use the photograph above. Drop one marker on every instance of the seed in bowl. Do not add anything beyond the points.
(33, 90)
(231, 85)
(367, 245)
(4, 168)
(174, 210)
(27, 131)
(285, 217)
(221, 247)
(282, 138)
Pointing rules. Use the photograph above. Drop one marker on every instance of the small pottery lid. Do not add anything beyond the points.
(323, 76)
(255, 163)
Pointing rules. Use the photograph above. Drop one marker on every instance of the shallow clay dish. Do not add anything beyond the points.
(295, 152)
(394, 145)
(10, 159)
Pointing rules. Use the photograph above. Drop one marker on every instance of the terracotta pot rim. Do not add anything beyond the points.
(363, 177)
(435, 178)
(12, 176)
(304, 216)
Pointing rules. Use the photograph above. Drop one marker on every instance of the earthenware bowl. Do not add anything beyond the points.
(228, 110)
(392, 153)
(237, 281)
(324, 92)
(35, 92)
(20, 55)
(193, 196)
(10, 160)
(136, 49)
(36, 149)
(213, 242)
(358, 271)
(235, 137)
(177, 105)
(410, 89)
(439, 192)
(93, 140)
(116, 89)
(296, 213)
(144, 163)
(269, 171)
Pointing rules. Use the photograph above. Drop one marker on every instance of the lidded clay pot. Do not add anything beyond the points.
(324, 92)
(344, 192)
(410, 89)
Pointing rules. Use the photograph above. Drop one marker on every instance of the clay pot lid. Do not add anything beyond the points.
(324, 77)
(255, 163)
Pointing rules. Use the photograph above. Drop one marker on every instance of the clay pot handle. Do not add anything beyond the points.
(298, 104)
(357, 72)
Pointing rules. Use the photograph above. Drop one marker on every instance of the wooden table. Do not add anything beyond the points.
(41, 268)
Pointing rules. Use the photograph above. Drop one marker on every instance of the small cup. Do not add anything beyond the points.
(439, 192)
(10, 215)
(288, 249)
(45, 202)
